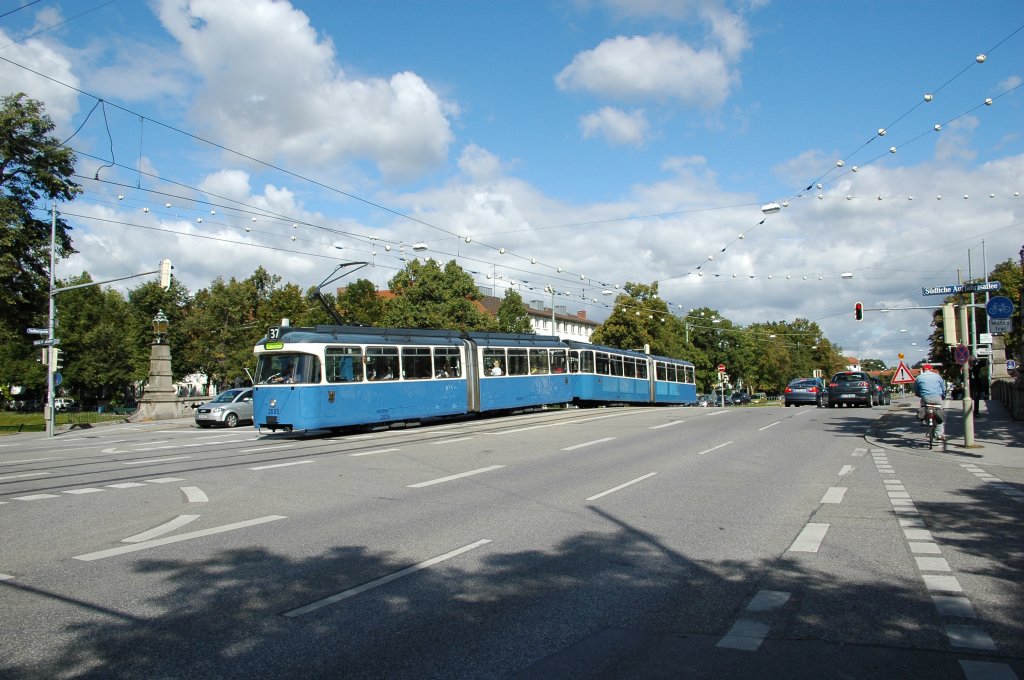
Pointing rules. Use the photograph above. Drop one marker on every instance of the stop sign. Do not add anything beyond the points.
(721, 368)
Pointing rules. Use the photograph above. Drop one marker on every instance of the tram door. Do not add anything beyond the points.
(652, 388)
(471, 362)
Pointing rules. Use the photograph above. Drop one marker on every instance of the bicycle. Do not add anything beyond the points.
(932, 416)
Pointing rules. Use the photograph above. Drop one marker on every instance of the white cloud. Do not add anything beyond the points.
(271, 88)
(651, 67)
(61, 102)
(617, 126)
(479, 163)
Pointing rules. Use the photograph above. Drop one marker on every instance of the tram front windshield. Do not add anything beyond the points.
(287, 368)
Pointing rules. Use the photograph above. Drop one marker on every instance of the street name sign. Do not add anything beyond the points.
(37, 331)
(45, 343)
(961, 288)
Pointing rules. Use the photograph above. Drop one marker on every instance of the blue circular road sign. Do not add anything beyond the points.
(999, 307)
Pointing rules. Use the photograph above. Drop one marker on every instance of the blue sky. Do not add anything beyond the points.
(613, 140)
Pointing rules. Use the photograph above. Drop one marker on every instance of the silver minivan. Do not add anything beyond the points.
(228, 408)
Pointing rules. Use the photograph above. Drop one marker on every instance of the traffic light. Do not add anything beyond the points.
(858, 311)
(165, 274)
(56, 359)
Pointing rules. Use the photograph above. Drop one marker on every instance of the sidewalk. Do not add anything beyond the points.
(998, 439)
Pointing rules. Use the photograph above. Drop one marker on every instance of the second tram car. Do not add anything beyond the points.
(331, 377)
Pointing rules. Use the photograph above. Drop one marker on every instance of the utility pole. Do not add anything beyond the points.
(49, 415)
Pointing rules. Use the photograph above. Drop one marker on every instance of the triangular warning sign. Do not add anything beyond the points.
(902, 375)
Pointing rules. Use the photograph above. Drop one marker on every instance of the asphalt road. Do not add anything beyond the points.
(602, 543)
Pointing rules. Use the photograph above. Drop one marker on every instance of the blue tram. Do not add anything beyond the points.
(331, 377)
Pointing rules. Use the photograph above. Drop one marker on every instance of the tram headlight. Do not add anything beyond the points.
(273, 403)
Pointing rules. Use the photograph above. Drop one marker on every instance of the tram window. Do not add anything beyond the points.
(382, 363)
(446, 362)
(494, 361)
(616, 362)
(671, 373)
(518, 361)
(659, 370)
(558, 361)
(287, 367)
(587, 361)
(416, 363)
(690, 377)
(343, 364)
(602, 364)
(539, 362)
(629, 367)
(641, 368)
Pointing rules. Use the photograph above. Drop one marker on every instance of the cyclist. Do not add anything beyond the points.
(930, 386)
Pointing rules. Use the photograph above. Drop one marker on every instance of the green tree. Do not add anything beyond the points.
(100, 356)
(34, 166)
(512, 314)
(873, 364)
(638, 320)
(359, 303)
(427, 296)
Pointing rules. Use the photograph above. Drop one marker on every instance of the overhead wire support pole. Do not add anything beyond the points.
(49, 416)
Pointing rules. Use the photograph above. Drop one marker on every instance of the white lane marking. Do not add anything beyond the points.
(76, 492)
(591, 443)
(6, 577)
(745, 634)
(846, 469)
(766, 600)
(345, 594)
(924, 548)
(452, 477)
(898, 494)
(987, 670)
(166, 527)
(932, 564)
(834, 494)
(669, 424)
(917, 534)
(36, 497)
(266, 448)
(810, 538)
(193, 494)
(27, 474)
(165, 480)
(622, 486)
(560, 423)
(125, 485)
(145, 545)
(451, 441)
(954, 605)
(761, 429)
(713, 448)
(30, 460)
(969, 636)
(947, 584)
(153, 460)
(373, 453)
(280, 465)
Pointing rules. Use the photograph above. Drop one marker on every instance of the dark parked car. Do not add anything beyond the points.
(740, 398)
(851, 387)
(228, 408)
(882, 394)
(801, 391)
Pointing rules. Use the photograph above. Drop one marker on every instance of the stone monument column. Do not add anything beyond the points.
(160, 400)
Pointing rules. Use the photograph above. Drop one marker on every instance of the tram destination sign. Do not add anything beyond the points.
(961, 288)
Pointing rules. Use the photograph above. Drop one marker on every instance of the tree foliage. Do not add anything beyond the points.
(429, 296)
(512, 315)
(34, 166)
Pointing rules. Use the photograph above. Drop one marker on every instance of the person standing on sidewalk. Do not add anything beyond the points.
(930, 386)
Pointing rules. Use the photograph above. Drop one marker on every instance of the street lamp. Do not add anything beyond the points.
(160, 327)
(551, 289)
